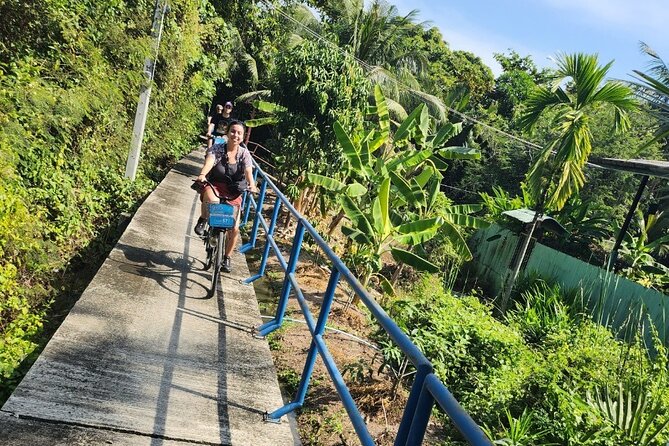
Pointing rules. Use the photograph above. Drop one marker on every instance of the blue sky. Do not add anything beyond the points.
(543, 28)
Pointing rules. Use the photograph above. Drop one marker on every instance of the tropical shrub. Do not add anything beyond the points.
(399, 208)
(549, 367)
(483, 362)
(66, 113)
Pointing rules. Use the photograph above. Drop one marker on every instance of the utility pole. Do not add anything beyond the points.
(145, 91)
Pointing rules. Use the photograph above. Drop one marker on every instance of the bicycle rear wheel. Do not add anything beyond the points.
(209, 248)
(217, 256)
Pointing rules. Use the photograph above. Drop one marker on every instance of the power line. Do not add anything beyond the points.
(370, 68)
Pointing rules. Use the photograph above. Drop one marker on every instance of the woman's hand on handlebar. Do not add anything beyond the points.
(201, 178)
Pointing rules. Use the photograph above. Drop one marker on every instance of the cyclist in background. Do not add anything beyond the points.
(229, 169)
(219, 122)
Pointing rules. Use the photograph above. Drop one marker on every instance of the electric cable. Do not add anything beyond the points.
(370, 67)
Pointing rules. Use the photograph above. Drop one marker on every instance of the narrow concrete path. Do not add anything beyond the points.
(144, 357)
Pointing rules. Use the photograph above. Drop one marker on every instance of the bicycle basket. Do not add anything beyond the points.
(221, 215)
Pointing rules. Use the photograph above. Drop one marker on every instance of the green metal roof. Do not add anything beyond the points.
(651, 168)
(547, 222)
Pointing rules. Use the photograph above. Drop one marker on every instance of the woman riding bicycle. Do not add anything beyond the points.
(228, 168)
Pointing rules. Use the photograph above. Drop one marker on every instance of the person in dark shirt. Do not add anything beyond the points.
(228, 170)
(218, 125)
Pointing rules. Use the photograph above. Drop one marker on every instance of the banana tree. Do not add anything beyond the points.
(371, 154)
(418, 197)
(395, 211)
(375, 234)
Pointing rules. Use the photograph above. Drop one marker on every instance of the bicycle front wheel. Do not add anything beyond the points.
(217, 255)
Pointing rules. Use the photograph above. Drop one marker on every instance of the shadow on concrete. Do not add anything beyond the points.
(181, 266)
(237, 326)
(222, 406)
(168, 268)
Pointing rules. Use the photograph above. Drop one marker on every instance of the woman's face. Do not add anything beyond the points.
(236, 133)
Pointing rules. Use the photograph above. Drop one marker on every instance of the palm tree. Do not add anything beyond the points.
(558, 172)
(379, 37)
(653, 88)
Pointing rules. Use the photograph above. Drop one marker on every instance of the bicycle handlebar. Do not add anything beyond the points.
(206, 182)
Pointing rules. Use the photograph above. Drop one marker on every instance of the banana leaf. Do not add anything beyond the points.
(413, 260)
(439, 163)
(466, 208)
(466, 221)
(417, 232)
(423, 127)
(456, 240)
(446, 132)
(252, 123)
(268, 107)
(384, 198)
(459, 153)
(402, 186)
(425, 175)
(378, 140)
(386, 286)
(432, 191)
(348, 148)
(356, 216)
(404, 130)
(356, 235)
(409, 159)
(382, 111)
(380, 167)
(355, 189)
(325, 182)
(380, 211)
(417, 194)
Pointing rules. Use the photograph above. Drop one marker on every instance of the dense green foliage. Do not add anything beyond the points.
(68, 93)
(318, 85)
(70, 73)
(547, 359)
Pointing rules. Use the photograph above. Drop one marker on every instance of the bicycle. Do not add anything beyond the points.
(221, 218)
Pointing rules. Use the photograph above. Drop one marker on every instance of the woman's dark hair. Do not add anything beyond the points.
(236, 122)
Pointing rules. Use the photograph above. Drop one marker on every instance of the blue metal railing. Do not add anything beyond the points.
(426, 390)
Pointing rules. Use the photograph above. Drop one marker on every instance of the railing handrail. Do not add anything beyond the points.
(427, 388)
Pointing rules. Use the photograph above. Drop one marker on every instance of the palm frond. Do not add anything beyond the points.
(396, 111)
(305, 16)
(656, 67)
(247, 64)
(436, 106)
(538, 101)
(253, 95)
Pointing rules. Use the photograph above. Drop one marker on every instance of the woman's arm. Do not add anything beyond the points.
(248, 172)
(208, 165)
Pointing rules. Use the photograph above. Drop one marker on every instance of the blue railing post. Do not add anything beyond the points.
(328, 298)
(421, 416)
(426, 390)
(272, 325)
(412, 403)
(246, 204)
(269, 235)
(256, 221)
(435, 390)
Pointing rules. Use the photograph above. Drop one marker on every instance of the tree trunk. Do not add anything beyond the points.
(515, 268)
(335, 222)
(396, 274)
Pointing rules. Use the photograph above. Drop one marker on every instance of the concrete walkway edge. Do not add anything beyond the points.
(144, 357)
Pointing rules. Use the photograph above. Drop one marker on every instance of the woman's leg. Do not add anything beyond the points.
(208, 196)
(232, 234)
